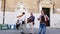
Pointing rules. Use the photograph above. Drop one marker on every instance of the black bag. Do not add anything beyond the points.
(29, 20)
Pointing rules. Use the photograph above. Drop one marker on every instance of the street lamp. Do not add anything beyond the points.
(4, 11)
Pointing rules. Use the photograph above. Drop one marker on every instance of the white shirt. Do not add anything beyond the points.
(23, 18)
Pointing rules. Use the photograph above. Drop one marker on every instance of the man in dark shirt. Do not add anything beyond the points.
(31, 20)
(42, 20)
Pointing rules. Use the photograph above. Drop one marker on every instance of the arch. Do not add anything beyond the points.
(20, 8)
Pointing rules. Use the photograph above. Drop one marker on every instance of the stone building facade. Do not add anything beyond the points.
(31, 5)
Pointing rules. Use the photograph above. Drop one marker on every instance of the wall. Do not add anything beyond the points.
(10, 18)
(55, 20)
(32, 5)
(1, 17)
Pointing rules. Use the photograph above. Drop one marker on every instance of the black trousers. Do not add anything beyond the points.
(23, 22)
(17, 25)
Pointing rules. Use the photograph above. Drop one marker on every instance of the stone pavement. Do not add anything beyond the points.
(49, 31)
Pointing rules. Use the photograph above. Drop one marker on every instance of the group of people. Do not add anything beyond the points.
(42, 18)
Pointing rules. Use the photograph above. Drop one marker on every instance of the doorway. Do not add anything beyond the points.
(47, 12)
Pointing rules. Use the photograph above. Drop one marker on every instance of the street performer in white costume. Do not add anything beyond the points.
(23, 20)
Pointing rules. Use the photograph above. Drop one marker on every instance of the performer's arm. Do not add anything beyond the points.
(19, 16)
(46, 18)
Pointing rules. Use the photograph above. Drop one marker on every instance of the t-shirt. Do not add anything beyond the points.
(32, 18)
(42, 19)
(23, 18)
